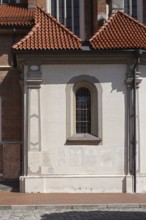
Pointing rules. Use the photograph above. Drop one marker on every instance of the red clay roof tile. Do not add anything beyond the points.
(16, 16)
(48, 34)
(120, 32)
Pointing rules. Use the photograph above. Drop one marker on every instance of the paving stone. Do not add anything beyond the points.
(86, 215)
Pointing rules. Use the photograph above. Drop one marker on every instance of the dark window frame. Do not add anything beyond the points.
(83, 110)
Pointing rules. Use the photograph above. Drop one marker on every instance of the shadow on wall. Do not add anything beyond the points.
(100, 215)
(106, 74)
(11, 105)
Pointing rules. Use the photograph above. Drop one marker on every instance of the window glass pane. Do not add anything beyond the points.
(68, 3)
(126, 6)
(4, 1)
(72, 19)
(54, 8)
(131, 8)
(76, 3)
(134, 8)
(68, 14)
(83, 110)
(61, 11)
(12, 1)
(76, 17)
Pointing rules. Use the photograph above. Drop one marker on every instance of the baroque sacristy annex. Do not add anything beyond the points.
(72, 95)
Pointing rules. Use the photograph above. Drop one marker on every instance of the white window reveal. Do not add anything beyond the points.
(70, 13)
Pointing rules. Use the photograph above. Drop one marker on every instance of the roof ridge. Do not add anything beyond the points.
(111, 18)
(58, 23)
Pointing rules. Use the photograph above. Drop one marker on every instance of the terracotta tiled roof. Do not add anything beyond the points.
(48, 34)
(16, 16)
(120, 32)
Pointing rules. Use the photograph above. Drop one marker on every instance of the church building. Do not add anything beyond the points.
(72, 95)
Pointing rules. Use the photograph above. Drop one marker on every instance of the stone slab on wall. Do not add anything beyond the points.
(11, 161)
(74, 184)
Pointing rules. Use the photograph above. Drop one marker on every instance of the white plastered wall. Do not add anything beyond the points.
(141, 151)
(79, 168)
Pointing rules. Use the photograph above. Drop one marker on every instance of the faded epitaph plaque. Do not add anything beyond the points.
(11, 161)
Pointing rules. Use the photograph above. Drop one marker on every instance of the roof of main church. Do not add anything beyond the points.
(15, 16)
(48, 34)
(120, 32)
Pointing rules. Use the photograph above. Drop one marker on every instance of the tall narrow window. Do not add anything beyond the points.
(83, 110)
(4, 1)
(9, 1)
(69, 13)
(130, 7)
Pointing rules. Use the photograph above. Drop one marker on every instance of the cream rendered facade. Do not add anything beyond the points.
(53, 165)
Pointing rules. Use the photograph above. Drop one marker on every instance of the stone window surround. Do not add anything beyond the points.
(96, 111)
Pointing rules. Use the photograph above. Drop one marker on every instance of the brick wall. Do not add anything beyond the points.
(10, 91)
(11, 98)
(41, 3)
(34, 3)
(6, 40)
(11, 105)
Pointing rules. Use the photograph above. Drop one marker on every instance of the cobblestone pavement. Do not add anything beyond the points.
(46, 215)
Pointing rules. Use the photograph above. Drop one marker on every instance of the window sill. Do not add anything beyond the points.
(83, 139)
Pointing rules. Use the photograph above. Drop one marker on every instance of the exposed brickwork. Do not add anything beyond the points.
(41, 4)
(11, 100)
(101, 13)
(97, 17)
(5, 49)
(32, 3)
(11, 96)
(101, 7)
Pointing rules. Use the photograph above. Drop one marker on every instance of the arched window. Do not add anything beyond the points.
(83, 110)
